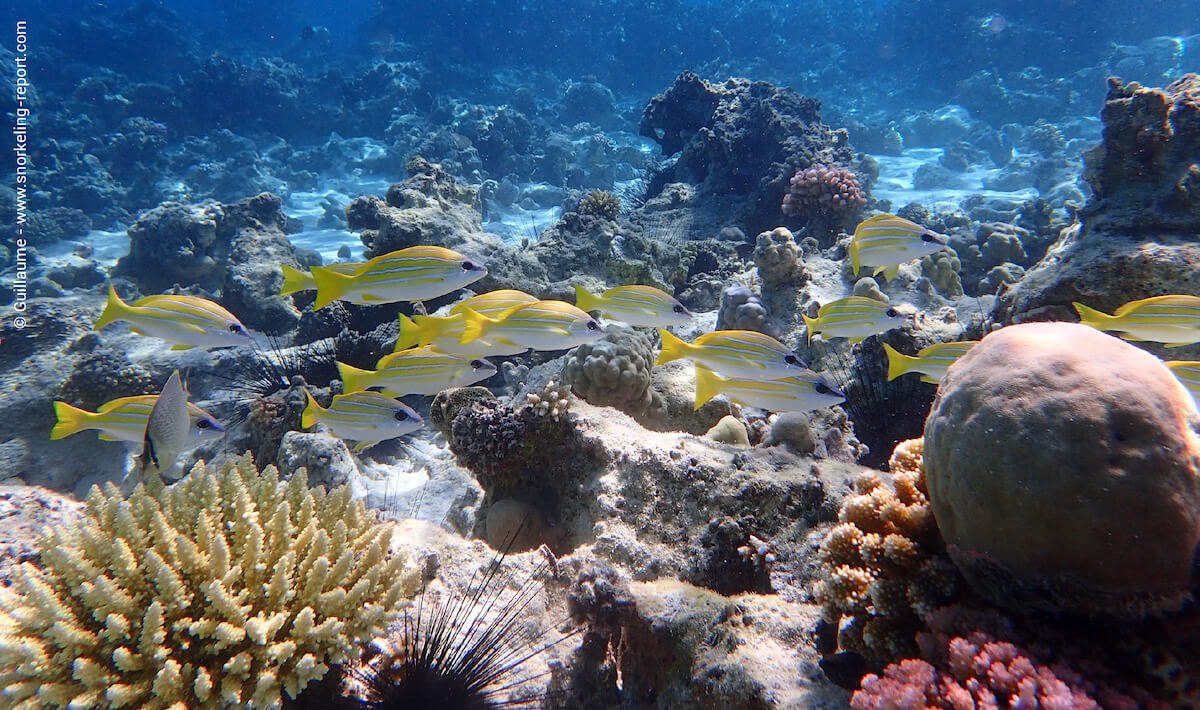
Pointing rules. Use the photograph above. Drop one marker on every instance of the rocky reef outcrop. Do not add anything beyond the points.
(1136, 236)
(741, 142)
(234, 248)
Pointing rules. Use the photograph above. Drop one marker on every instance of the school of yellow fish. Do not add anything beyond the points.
(433, 353)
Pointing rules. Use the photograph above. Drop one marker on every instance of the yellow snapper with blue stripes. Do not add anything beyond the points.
(364, 417)
(295, 280)
(1188, 374)
(125, 419)
(413, 274)
(636, 305)
(853, 317)
(886, 241)
(185, 321)
(932, 362)
(417, 371)
(541, 325)
(445, 332)
(734, 353)
(1174, 319)
(798, 393)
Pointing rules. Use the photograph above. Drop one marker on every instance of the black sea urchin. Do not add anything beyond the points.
(464, 653)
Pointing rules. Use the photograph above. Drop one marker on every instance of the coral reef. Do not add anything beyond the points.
(235, 247)
(175, 243)
(614, 371)
(600, 203)
(521, 453)
(942, 271)
(740, 142)
(102, 375)
(1039, 438)
(428, 207)
(229, 588)
(1144, 173)
(883, 566)
(824, 191)
(1134, 236)
(742, 308)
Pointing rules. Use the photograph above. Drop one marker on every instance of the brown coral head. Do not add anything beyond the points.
(823, 188)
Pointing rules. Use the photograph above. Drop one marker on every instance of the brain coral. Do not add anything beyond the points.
(1063, 467)
(221, 591)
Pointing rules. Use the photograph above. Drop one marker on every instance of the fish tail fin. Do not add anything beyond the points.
(353, 379)
(309, 416)
(114, 309)
(708, 385)
(294, 280)
(410, 333)
(477, 325)
(71, 420)
(673, 347)
(1090, 316)
(889, 272)
(585, 300)
(810, 326)
(428, 328)
(330, 285)
(854, 256)
(898, 362)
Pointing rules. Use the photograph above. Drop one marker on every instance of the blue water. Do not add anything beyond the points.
(219, 99)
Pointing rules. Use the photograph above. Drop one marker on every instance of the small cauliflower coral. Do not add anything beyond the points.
(883, 566)
(224, 590)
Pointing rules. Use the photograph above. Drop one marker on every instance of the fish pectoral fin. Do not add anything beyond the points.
(856, 340)
(107, 437)
(1177, 345)
(889, 272)
(1131, 336)
(930, 380)
(181, 346)
(362, 445)
(368, 298)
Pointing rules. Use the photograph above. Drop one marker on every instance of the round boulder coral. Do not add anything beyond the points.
(1063, 467)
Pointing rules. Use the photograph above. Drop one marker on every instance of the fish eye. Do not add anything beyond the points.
(401, 415)
(822, 388)
(468, 266)
(791, 360)
(892, 313)
(235, 328)
(203, 424)
(593, 325)
(927, 237)
(678, 308)
(477, 364)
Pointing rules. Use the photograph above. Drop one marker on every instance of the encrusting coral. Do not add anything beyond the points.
(223, 590)
(883, 566)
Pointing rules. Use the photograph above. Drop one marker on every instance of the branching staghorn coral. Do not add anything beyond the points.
(224, 590)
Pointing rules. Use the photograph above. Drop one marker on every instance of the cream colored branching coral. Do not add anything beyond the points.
(883, 566)
(224, 590)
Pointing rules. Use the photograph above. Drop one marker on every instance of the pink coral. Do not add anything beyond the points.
(821, 189)
(993, 674)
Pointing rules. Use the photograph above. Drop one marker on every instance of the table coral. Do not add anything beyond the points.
(224, 590)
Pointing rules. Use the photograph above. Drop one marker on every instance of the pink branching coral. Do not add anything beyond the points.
(823, 189)
(988, 675)
(966, 665)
